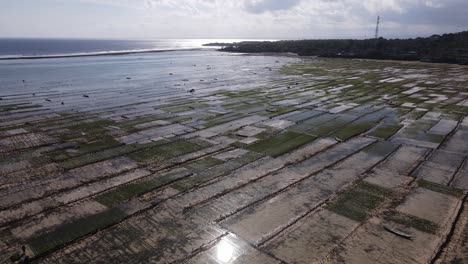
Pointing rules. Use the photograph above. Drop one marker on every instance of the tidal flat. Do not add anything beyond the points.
(211, 157)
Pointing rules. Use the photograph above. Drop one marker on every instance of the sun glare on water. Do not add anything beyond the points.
(225, 251)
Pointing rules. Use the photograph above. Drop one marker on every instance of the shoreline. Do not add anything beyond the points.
(112, 53)
(295, 55)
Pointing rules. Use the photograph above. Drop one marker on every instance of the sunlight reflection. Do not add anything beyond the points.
(225, 251)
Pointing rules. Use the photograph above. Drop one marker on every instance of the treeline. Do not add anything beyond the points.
(447, 48)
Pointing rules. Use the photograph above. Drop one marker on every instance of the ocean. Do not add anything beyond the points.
(36, 48)
(50, 81)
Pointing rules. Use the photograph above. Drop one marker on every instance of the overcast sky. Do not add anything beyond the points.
(267, 19)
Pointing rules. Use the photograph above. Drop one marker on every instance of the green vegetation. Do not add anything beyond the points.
(448, 48)
(358, 202)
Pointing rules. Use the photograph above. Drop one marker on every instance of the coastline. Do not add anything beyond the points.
(77, 55)
(295, 55)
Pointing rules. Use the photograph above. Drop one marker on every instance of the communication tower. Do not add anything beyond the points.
(377, 28)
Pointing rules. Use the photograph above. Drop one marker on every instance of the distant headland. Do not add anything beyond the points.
(447, 48)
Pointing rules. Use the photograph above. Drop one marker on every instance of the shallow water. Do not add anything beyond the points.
(51, 47)
(126, 77)
(86, 71)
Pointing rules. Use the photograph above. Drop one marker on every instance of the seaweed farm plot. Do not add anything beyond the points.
(206, 157)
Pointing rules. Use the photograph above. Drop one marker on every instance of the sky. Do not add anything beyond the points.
(233, 19)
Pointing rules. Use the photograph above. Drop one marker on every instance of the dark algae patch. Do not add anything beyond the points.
(358, 202)
(412, 221)
(440, 188)
(203, 164)
(381, 148)
(169, 150)
(129, 191)
(385, 132)
(215, 172)
(69, 232)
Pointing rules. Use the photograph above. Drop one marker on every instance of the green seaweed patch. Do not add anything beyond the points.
(358, 202)
(13, 107)
(415, 115)
(440, 188)
(380, 148)
(202, 164)
(238, 144)
(275, 111)
(288, 146)
(386, 131)
(452, 116)
(67, 114)
(457, 260)
(130, 125)
(30, 155)
(223, 120)
(98, 145)
(89, 126)
(184, 107)
(281, 143)
(328, 127)
(354, 129)
(408, 99)
(412, 221)
(167, 151)
(268, 133)
(244, 107)
(106, 154)
(16, 257)
(215, 172)
(124, 193)
(457, 109)
(94, 130)
(67, 233)
(83, 149)
(239, 94)
(432, 138)
(275, 140)
(40, 160)
(24, 126)
(365, 99)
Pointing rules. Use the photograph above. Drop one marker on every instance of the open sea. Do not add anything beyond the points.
(37, 48)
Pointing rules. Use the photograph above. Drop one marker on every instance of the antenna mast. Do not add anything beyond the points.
(377, 28)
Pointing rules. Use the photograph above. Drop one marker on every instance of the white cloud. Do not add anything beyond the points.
(237, 18)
